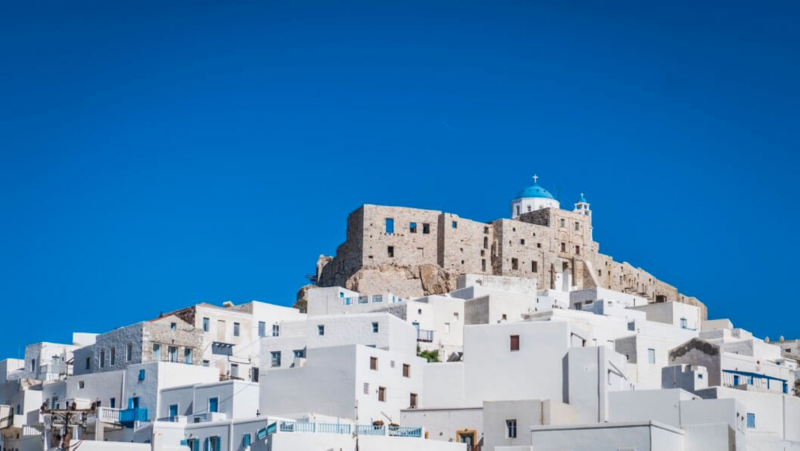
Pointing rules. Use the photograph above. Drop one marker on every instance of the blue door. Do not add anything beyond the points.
(133, 403)
(173, 412)
(735, 380)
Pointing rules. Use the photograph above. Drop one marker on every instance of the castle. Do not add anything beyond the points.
(413, 252)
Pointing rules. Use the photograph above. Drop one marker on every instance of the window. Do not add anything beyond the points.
(406, 370)
(206, 363)
(173, 353)
(320, 330)
(517, 210)
(187, 356)
(514, 263)
(447, 328)
(515, 343)
(539, 245)
(483, 264)
(412, 227)
(173, 326)
(426, 228)
(205, 324)
(112, 403)
(389, 225)
(276, 330)
(129, 352)
(254, 374)
(373, 363)
(486, 242)
(577, 226)
(751, 421)
(577, 250)
(413, 401)
(390, 251)
(563, 247)
(88, 363)
(684, 324)
(563, 222)
(651, 355)
(455, 225)
(382, 394)
(156, 352)
(173, 412)
(235, 329)
(246, 440)
(262, 329)
(363, 299)
(141, 375)
(276, 359)
(366, 388)
(374, 328)
(534, 266)
(455, 315)
(33, 365)
(522, 242)
(102, 358)
(234, 370)
(700, 375)
(80, 385)
(213, 405)
(511, 426)
(113, 356)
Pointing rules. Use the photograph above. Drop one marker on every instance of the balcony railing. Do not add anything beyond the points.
(425, 335)
(734, 379)
(370, 430)
(333, 428)
(398, 431)
(291, 426)
(128, 416)
(108, 415)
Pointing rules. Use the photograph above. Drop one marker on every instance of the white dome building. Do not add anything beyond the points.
(532, 198)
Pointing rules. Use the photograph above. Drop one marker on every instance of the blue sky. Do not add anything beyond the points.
(155, 155)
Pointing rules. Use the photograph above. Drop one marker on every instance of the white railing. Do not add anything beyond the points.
(108, 415)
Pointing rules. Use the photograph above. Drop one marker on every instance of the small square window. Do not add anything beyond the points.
(515, 342)
(390, 251)
(426, 228)
(455, 225)
(382, 394)
(374, 328)
(141, 375)
(651, 356)
(373, 363)
(412, 227)
(173, 326)
(320, 330)
(389, 225)
(406, 370)
(80, 385)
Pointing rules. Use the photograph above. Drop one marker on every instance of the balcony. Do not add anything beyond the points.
(737, 379)
(335, 428)
(129, 416)
(425, 336)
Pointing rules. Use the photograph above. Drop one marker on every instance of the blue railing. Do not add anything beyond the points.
(131, 415)
(290, 426)
(333, 428)
(370, 430)
(399, 431)
(731, 378)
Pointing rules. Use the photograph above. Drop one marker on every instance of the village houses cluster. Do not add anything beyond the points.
(426, 332)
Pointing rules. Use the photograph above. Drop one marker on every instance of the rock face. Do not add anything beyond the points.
(302, 298)
(405, 282)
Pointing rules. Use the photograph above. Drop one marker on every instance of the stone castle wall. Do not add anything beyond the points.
(428, 250)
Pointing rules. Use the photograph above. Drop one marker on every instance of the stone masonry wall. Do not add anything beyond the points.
(542, 245)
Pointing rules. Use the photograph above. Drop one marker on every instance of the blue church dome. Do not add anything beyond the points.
(535, 191)
(582, 199)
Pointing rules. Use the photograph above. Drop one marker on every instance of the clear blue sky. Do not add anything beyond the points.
(160, 154)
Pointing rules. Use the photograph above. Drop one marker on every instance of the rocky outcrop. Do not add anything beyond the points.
(302, 298)
(405, 282)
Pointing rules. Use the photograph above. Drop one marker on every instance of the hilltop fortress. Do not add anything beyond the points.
(412, 252)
